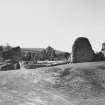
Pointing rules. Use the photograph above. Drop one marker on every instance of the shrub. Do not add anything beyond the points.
(99, 57)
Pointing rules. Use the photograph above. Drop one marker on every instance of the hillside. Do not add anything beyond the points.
(40, 49)
(32, 49)
(70, 84)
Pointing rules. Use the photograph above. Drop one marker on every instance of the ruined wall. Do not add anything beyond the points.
(103, 49)
(82, 51)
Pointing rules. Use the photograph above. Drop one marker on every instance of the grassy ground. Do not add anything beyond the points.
(70, 84)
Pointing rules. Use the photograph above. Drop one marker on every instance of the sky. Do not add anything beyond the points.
(40, 23)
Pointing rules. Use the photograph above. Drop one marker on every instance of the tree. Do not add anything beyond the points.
(67, 55)
(99, 57)
(1, 48)
(14, 54)
(1, 51)
(43, 54)
(8, 47)
(35, 58)
(28, 56)
(50, 53)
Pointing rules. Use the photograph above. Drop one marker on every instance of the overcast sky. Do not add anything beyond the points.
(39, 23)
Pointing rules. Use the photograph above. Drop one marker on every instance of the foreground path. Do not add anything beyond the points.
(27, 87)
(18, 88)
(36, 97)
(58, 97)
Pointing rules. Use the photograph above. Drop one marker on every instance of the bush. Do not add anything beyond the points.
(99, 57)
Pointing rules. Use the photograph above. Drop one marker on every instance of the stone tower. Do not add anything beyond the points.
(103, 49)
(82, 51)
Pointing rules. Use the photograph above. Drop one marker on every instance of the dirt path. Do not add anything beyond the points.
(16, 90)
(32, 97)
(58, 97)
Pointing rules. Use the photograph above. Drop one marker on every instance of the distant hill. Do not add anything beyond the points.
(40, 49)
(32, 49)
